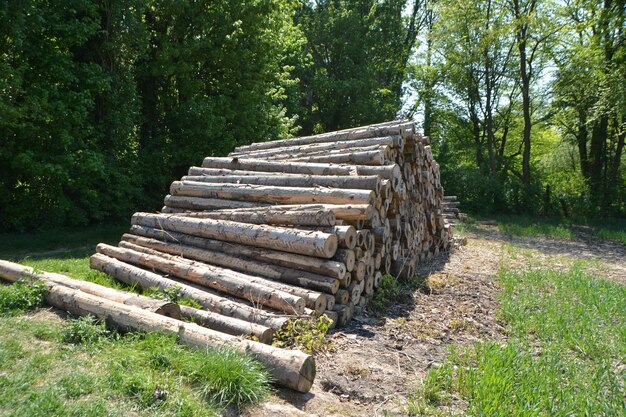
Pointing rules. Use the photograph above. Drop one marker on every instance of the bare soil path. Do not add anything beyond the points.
(377, 361)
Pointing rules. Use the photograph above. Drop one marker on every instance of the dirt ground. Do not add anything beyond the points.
(376, 362)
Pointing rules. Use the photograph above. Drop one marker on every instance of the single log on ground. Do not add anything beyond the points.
(14, 272)
(301, 262)
(323, 245)
(292, 369)
(132, 275)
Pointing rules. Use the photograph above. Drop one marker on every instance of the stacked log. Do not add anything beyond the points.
(291, 228)
(451, 212)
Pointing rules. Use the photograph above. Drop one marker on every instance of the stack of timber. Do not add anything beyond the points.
(290, 228)
(451, 212)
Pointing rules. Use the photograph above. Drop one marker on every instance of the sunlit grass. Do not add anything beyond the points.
(565, 354)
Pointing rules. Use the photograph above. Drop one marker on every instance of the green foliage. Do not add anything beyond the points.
(135, 374)
(21, 297)
(567, 338)
(85, 330)
(172, 295)
(390, 290)
(308, 335)
(357, 55)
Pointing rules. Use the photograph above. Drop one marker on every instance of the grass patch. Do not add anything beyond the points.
(565, 356)
(134, 374)
(58, 243)
(534, 226)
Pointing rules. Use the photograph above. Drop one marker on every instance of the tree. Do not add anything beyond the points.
(359, 52)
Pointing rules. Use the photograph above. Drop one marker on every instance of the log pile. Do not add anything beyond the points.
(451, 212)
(290, 228)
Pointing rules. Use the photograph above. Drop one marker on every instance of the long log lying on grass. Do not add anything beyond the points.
(323, 245)
(289, 260)
(14, 272)
(223, 280)
(292, 369)
(365, 182)
(132, 275)
(271, 194)
(292, 276)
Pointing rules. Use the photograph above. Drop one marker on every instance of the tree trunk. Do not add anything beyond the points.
(323, 245)
(305, 263)
(243, 286)
(14, 272)
(145, 280)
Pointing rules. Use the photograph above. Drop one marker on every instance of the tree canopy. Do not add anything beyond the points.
(104, 103)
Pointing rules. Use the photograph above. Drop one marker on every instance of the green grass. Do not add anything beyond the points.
(105, 374)
(534, 226)
(62, 243)
(53, 367)
(566, 353)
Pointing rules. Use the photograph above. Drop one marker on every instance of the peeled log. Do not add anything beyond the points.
(221, 279)
(348, 212)
(14, 272)
(196, 203)
(392, 141)
(227, 325)
(306, 168)
(365, 182)
(133, 275)
(384, 129)
(271, 194)
(292, 369)
(313, 299)
(323, 245)
(269, 215)
(291, 276)
(305, 263)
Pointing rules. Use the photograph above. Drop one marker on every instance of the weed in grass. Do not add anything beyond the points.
(77, 384)
(390, 292)
(21, 297)
(308, 334)
(86, 330)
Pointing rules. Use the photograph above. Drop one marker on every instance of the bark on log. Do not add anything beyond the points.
(365, 182)
(348, 212)
(292, 369)
(304, 263)
(292, 276)
(13, 272)
(227, 325)
(133, 275)
(271, 194)
(229, 282)
(318, 244)
(196, 203)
